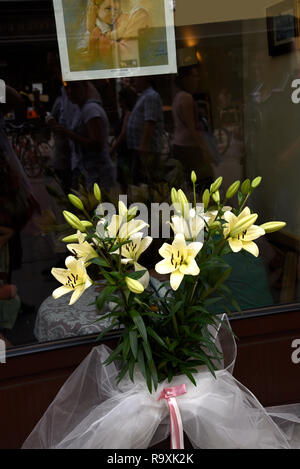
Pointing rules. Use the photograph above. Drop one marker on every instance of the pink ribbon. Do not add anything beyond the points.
(170, 395)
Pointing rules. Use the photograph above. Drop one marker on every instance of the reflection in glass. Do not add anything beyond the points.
(231, 98)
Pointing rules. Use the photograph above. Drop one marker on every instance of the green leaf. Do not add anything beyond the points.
(99, 261)
(136, 275)
(156, 337)
(103, 333)
(104, 294)
(147, 350)
(131, 368)
(114, 355)
(126, 345)
(139, 322)
(188, 374)
(133, 342)
(123, 372)
(141, 362)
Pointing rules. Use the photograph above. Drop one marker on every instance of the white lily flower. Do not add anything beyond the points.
(240, 231)
(211, 215)
(82, 250)
(133, 250)
(179, 260)
(74, 279)
(119, 229)
(190, 226)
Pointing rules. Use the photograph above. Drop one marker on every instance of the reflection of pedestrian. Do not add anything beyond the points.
(145, 130)
(188, 144)
(67, 114)
(89, 137)
(127, 100)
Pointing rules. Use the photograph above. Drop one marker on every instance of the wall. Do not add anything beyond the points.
(202, 11)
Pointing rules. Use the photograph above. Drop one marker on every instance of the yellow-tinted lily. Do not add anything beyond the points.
(190, 226)
(240, 231)
(133, 250)
(118, 228)
(82, 250)
(74, 279)
(179, 260)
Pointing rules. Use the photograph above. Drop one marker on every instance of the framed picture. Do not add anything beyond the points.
(282, 27)
(115, 38)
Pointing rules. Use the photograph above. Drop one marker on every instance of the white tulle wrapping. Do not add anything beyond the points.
(92, 412)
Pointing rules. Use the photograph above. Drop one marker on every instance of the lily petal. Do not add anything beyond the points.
(176, 279)
(164, 267)
(251, 247)
(61, 291)
(235, 244)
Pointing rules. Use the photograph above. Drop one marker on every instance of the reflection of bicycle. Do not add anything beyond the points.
(31, 148)
(229, 122)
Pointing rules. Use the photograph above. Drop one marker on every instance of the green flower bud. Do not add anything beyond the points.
(216, 185)
(215, 225)
(256, 182)
(193, 177)
(174, 196)
(76, 201)
(245, 187)
(272, 226)
(134, 286)
(131, 214)
(206, 198)
(86, 223)
(243, 224)
(97, 192)
(73, 221)
(183, 201)
(232, 190)
(70, 239)
(216, 197)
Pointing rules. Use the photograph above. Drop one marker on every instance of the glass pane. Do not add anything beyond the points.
(231, 111)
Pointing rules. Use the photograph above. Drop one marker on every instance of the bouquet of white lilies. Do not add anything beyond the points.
(168, 334)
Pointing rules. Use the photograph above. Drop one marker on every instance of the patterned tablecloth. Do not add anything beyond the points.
(57, 320)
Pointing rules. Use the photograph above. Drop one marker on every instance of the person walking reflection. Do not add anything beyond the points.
(145, 131)
(89, 137)
(188, 143)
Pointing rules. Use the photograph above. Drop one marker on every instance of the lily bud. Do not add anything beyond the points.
(216, 185)
(215, 225)
(232, 189)
(86, 223)
(97, 192)
(70, 239)
(183, 201)
(174, 196)
(134, 286)
(245, 187)
(193, 177)
(256, 182)
(272, 226)
(131, 214)
(76, 201)
(73, 221)
(205, 198)
(216, 197)
(243, 224)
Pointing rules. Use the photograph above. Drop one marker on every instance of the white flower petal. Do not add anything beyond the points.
(164, 267)
(191, 268)
(176, 279)
(61, 291)
(251, 247)
(77, 293)
(235, 244)
(166, 250)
